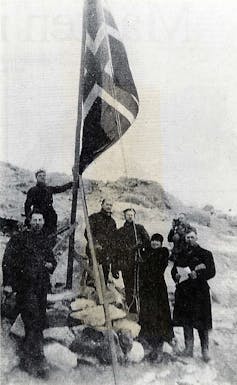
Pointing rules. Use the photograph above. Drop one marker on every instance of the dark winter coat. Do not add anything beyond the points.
(192, 298)
(125, 258)
(24, 261)
(155, 318)
(124, 245)
(103, 228)
(40, 197)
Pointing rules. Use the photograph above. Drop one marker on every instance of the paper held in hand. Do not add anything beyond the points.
(184, 273)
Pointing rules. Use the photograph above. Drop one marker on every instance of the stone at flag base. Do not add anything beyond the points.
(60, 356)
(84, 359)
(60, 334)
(65, 295)
(87, 291)
(95, 343)
(125, 340)
(94, 316)
(127, 325)
(136, 354)
(57, 318)
(112, 295)
(82, 303)
(167, 348)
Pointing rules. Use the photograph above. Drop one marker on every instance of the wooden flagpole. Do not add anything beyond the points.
(77, 157)
(91, 244)
(77, 180)
(100, 285)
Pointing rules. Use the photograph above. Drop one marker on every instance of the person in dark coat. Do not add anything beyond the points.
(103, 227)
(176, 235)
(28, 260)
(155, 317)
(192, 308)
(40, 198)
(129, 241)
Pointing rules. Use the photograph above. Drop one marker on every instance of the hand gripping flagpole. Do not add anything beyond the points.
(76, 158)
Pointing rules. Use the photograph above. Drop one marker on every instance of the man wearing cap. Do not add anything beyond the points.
(103, 227)
(27, 262)
(40, 197)
(129, 241)
(192, 308)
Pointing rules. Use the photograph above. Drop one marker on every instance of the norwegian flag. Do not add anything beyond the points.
(110, 100)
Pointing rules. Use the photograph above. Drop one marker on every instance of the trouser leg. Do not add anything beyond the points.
(204, 340)
(188, 340)
(128, 279)
(33, 318)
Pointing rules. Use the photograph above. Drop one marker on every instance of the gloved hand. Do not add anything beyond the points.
(193, 274)
(7, 289)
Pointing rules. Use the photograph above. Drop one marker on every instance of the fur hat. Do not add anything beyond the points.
(157, 237)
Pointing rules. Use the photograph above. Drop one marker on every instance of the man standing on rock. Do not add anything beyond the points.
(103, 227)
(40, 197)
(192, 308)
(28, 260)
(129, 240)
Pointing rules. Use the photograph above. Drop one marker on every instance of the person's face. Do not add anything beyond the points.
(107, 206)
(191, 238)
(37, 222)
(129, 216)
(155, 244)
(41, 177)
(182, 218)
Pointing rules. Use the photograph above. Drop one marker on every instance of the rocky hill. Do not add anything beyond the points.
(155, 210)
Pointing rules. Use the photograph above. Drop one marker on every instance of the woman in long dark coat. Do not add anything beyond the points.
(155, 318)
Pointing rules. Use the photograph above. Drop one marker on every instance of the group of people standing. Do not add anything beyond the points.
(142, 261)
(28, 262)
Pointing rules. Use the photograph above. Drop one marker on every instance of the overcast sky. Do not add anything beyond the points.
(183, 55)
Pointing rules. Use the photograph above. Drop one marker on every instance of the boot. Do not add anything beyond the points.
(205, 355)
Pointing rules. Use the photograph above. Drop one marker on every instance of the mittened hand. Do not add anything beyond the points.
(193, 274)
(48, 265)
(7, 289)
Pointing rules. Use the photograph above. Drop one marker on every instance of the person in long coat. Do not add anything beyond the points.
(192, 308)
(103, 227)
(155, 317)
(129, 240)
(40, 198)
(27, 262)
